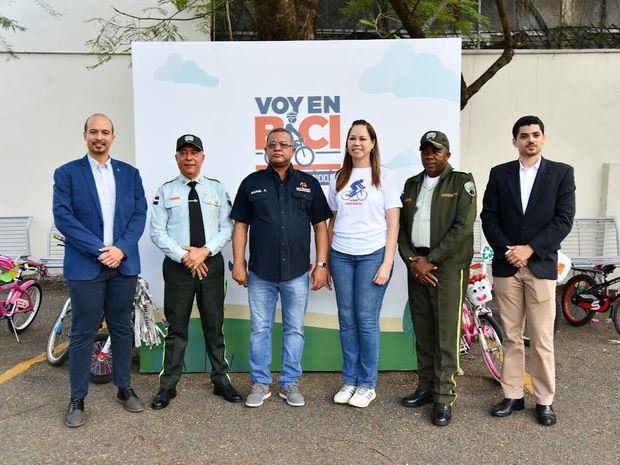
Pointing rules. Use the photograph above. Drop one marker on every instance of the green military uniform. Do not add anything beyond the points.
(170, 231)
(436, 311)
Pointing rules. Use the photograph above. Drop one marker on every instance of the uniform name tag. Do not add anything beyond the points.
(449, 194)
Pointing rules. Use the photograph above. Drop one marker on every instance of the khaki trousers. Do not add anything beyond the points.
(525, 298)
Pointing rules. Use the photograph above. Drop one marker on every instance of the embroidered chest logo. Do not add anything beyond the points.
(356, 192)
(303, 187)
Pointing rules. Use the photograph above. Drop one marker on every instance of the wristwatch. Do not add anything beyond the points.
(321, 264)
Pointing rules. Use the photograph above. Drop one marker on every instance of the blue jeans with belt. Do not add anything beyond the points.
(359, 302)
(263, 296)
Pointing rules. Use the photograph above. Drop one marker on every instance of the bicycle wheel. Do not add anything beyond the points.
(27, 309)
(574, 314)
(492, 349)
(58, 341)
(362, 195)
(616, 317)
(304, 156)
(100, 364)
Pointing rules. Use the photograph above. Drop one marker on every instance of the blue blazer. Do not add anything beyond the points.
(546, 222)
(77, 215)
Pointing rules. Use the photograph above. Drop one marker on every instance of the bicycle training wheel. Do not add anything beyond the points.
(100, 364)
(27, 308)
(58, 341)
(574, 314)
(492, 349)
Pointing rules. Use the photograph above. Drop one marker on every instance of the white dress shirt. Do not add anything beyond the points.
(527, 176)
(421, 227)
(106, 191)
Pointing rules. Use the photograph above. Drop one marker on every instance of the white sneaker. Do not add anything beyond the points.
(344, 395)
(362, 397)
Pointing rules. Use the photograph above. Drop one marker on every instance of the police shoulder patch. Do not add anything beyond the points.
(470, 188)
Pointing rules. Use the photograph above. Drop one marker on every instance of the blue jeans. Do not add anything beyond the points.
(359, 305)
(263, 295)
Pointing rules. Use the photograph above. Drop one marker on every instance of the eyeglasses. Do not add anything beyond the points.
(283, 145)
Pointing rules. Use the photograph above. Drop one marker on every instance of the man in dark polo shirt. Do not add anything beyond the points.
(278, 205)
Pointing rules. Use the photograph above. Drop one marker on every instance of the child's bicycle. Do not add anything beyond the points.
(589, 293)
(144, 329)
(20, 298)
(477, 322)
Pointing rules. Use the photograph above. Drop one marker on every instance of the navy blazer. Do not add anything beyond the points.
(77, 215)
(544, 225)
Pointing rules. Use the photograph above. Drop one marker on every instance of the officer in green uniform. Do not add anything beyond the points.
(190, 223)
(436, 243)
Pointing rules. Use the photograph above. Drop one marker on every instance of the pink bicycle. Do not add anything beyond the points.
(20, 298)
(477, 323)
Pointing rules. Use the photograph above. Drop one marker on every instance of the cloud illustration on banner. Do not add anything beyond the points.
(403, 160)
(182, 71)
(405, 74)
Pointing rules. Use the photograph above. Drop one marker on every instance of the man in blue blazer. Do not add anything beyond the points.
(528, 209)
(99, 207)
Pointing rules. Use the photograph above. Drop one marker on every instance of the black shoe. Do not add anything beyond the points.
(228, 392)
(506, 406)
(130, 400)
(545, 415)
(442, 414)
(162, 399)
(75, 413)
(418, 398)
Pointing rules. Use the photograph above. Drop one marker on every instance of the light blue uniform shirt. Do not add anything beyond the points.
(170, 216)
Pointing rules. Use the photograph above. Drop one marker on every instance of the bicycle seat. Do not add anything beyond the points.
(607, 269)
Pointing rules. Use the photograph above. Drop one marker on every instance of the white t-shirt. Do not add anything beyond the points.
(360, 226)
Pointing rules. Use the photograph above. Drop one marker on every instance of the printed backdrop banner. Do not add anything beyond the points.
(231, 94)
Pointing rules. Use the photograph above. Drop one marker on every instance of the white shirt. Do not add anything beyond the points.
(421, 227)
(106, 191)
(527, 176)
(361, 227)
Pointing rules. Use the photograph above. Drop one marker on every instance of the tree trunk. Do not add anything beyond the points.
(284, 19)
(411, 25)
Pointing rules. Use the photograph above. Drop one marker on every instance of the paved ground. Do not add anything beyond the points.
(201, 428)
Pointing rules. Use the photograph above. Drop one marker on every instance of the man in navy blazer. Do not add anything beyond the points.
(528, 209)
(99, 207)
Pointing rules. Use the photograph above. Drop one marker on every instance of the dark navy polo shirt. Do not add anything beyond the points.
(280, 215)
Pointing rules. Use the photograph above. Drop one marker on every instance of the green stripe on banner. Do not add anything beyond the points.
(322, 350)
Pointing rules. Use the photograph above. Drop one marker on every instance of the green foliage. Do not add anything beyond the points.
(435, 17)
(159, 22)
(11, 26)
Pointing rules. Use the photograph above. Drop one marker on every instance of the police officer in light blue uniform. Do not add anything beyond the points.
(190, 223)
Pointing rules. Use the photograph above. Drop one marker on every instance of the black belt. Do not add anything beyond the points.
(424, 251)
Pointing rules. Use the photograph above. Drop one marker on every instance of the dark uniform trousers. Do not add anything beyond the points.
(179, 291)
(436, 316)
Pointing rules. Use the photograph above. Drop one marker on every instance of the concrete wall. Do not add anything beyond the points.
(48, 92)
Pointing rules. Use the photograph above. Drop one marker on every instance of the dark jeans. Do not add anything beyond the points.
(111, 295)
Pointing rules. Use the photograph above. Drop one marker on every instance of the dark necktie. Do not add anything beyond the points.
(196, 227)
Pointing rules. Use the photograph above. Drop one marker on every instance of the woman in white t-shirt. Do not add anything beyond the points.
(365, 200)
